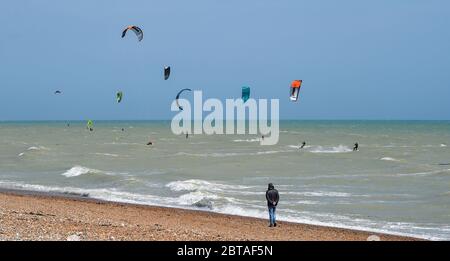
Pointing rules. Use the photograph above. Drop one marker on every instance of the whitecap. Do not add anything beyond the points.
(307, 202)
(198, 184)
(429, 231)
(268, 152)
(106, 154)
(338, 149)
(80, 170)
(38, 148)
(425, 173)
(320, 194)
(33, 148)
(389, 159)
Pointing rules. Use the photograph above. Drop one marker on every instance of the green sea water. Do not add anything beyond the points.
(398, 182)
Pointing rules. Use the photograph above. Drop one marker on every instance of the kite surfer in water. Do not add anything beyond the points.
(90, 125)
(356, 147)
(303, 145)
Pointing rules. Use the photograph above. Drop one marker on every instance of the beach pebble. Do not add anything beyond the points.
(73, 238)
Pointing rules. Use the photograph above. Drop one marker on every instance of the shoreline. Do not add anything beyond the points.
(34, 215)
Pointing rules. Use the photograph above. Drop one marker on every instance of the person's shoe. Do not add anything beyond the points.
(270, 225)
(275, 224)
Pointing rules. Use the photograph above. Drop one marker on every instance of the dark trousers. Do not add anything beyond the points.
(272, 216)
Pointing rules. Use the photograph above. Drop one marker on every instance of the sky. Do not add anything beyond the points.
(383, 59)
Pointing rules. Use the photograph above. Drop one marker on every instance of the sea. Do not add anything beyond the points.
(398, 182)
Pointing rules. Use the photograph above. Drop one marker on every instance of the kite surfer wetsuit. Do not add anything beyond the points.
(272, 197)
(303, 145)
(356, 147)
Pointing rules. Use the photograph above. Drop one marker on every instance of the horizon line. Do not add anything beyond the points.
(82, 120)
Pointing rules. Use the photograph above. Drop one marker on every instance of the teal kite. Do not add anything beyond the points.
(245, 93)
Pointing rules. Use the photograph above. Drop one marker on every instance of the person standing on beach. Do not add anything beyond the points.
(272, 197)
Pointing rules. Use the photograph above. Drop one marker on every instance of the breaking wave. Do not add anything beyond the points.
(320, 194)
(33, 148)
(198, 184)
(80, 170)
(206, 200)
(389, 159)
(38, 148)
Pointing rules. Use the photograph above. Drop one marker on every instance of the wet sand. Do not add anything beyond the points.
(39, 216)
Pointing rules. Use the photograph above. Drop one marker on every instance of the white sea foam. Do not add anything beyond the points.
(80, 170)
(425, 173)
(198, 199)
(338, 149)
(33, 149)
(203, 200)
(268, 152)
(319, 193)
(443, 145)
(106, 154)
(331, 220)
(308, 202)
(197, 184)
(389, 159)
(232, 209)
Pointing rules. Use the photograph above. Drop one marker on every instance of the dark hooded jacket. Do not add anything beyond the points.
(272, 196)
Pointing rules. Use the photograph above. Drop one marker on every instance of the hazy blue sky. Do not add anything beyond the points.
(358, 59)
